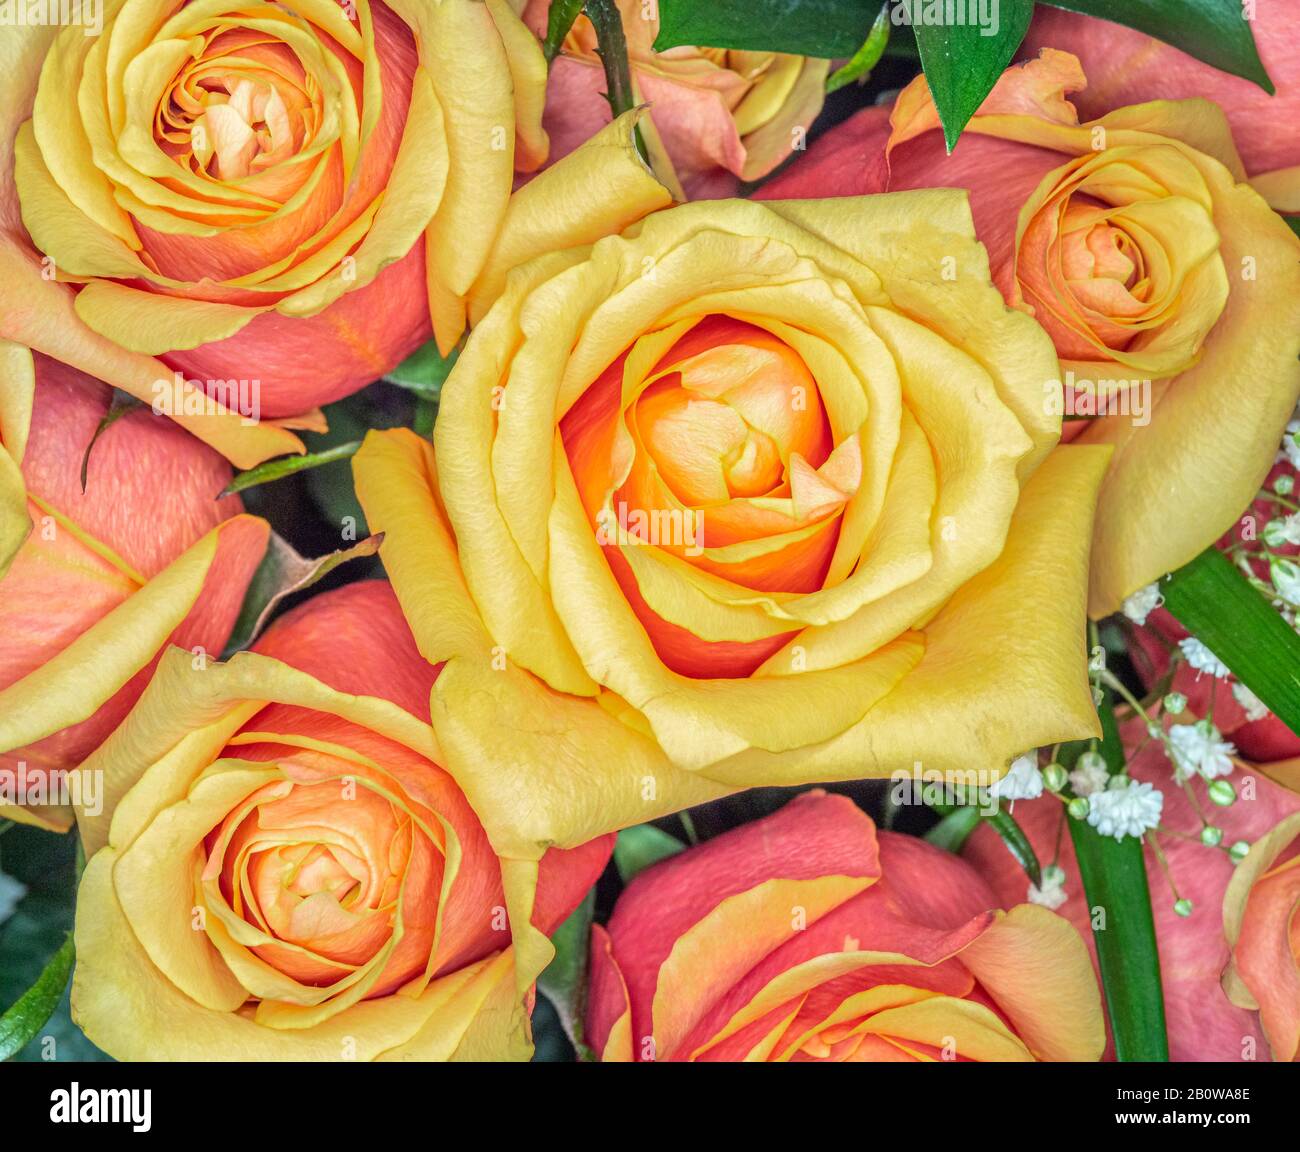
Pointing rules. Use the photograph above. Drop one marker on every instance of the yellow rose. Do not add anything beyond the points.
(1170, 288)
(748, 495)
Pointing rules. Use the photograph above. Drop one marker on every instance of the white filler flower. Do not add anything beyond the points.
(1201, 658)
(1255, 708)
(1128, 810)
(1052, 894)
(1090, 774)
(1199, 749)
(1022, 781)
(1142, 603)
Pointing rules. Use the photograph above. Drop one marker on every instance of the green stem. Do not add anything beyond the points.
(612, 48)
(558, 22)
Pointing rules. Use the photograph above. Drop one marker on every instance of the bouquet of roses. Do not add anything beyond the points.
(649, 531)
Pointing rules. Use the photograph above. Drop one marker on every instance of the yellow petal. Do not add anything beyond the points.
(596, 190)
(17, 387)
(73, 685)
(955, 708)
(1036, 967)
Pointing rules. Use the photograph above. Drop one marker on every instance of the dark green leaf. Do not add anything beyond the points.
(564, 980)
(962, 63)
(1215, 31)
(1013, 836)
(119, 406)
(1294, 221)
(558, 22)
(281, 573)
(424, 371)
(1114, 879)
(953, 830)
(283, 466)
(637, 848)
(1215, 602)
(25, 1018)
(1004, 824)
(866, 57)
(801, 27)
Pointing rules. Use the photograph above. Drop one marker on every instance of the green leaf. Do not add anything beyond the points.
(558, 22)
(953, 830)
(962, 64)
(801, 27)
(1294, 222)
(1013, 836)
(1004, 824)
(281, 573)
(564, 979)
(283, 466)
(118, 406)
(1215, 602)
(866, 57)
(1215, 31)
(637, 848)
(1114, 879)
(25, 1018)
(424, 371)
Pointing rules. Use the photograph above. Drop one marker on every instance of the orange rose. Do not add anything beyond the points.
(717, 117)
(94, 583)
(809, 936)
(285, 871)
(279, 194)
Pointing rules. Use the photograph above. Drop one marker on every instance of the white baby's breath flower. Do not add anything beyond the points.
(1285, 575)
(1090, 774)
(1128, 810)
(1254, 707)
(1201, 658)
(1052, 894)
(1022, 781)
(1283, 531)
(1199, 749)
(1142, 603)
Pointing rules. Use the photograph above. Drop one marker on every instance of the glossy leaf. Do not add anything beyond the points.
(801, 27)
(1114, 879)
(1215, 602)
(962, 62)
(27, 1016)
(1215, 31)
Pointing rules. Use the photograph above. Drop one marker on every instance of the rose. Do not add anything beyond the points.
(747, 495)
(1125, 66)
(809, 936)
(259, 195)
(1171, 290)
(1229, 969)
(285, 871)
(94, 582)
(717, 116)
